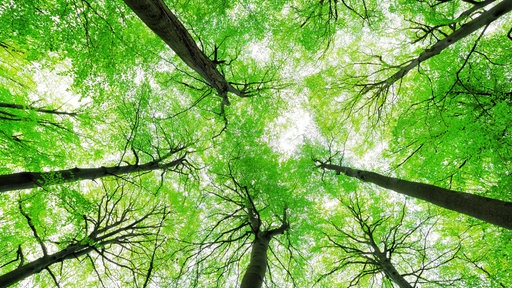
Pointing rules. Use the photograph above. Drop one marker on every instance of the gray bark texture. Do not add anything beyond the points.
(489, 210)
(393, 274)
(388, 268)
(28, 107)
(26, 180)
(255, 272)
(159, 18)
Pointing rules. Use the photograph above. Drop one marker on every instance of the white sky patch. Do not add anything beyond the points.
(286, 9)
(296, 70)
(54, 86)
(291, 129)
(371, 158)
(260, 52)
(329, 205)
(166, 65)
(139, 76)
(294, 125)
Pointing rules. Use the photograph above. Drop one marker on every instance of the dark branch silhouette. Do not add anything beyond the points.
(114, 225)
(483, 20)
(385, 246)
(37, 109)
(238, 231)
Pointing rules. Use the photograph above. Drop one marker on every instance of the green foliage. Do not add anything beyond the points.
(86, 84)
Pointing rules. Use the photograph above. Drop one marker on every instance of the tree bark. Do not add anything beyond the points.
(393, 274)
(26, 180)
(384, 261)
(484, 19)
(387, 267)
(255, 272)
(159, 18)
(490, 210)
(41, 110)
(38, 265)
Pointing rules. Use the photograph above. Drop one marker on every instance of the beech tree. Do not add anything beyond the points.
(382, 246)
(25, 180)
(37, 109)
(113, 225)
(166, 25)
(480, 21)
(487, 209)
(239, 236)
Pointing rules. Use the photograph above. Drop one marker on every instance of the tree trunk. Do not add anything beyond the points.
(393, 274)
(42, 110)
(483, 20)
(487, 209)
(385, 264)
(255, 272)
(388, 268)
(159, 18)
(36, 266)
(25, 180)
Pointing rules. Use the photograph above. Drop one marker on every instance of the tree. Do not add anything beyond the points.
(114, 224)
(157, 16)
(41, 110)
(490, 210)
(482, 20)
(376, 76)
(255, 272)
(229, 238)
(23, 116)
(24, 180)
(387, 246)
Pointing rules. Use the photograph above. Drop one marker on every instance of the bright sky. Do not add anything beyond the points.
(54, 86)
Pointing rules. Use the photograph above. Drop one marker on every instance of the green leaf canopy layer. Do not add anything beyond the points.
(126, 160)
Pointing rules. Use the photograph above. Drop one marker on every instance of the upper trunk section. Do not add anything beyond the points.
(482, 20)
(159, 18)
(487, 209)
(257, 268)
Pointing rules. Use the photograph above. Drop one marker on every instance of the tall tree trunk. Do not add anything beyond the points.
(255, 272)
(482, 20)
(25, 180)
(159, 18)
(38, 265)
(42, 110)
(487, 209)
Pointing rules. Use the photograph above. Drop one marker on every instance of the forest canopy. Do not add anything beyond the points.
(323, 143)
